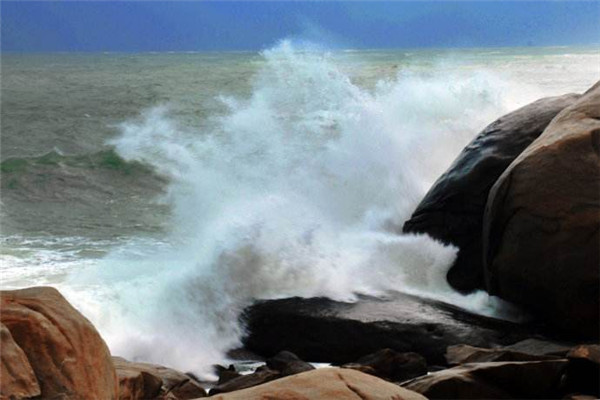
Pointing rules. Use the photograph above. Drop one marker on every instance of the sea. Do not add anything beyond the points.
(162, 193)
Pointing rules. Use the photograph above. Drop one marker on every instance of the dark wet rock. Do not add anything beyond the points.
(260, 376)
(288, 364)
(463, 354)
(583, 372)
(319, 329)
(452, 211)
(226, 374)
(542, 224)
(494, 380)
(391, 365)
(150, 381)
(325, 383)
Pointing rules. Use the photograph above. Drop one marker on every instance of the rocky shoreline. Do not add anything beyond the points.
(522, 202)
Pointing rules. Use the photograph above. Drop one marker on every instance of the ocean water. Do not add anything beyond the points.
(163, 193)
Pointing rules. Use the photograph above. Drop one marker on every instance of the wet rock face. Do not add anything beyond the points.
(324, 330)
(325, 383)
(65, 352)
(494, 380)
(542, 223)
(391, 365)
(452, 211)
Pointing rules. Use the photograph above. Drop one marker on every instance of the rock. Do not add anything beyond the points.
(66, 353)
(583, 372)
(260, 376)
(149, 381)
(17, 378)
(463, 354)
(493, 380)
(539, 347)
(542, 223)
(324, 330)
(288, 364)
(391, 365)
(325, 383)
(226, 374)
(452, 211)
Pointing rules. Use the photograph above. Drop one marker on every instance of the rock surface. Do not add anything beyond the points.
(452, 211)
(391, 365)
(260, 376)
(320, 329)
(150, 381)
(325, 383)
(494, 380)
(464, 354)
(288, 364)
(66, 353)
(542, 223)
(16, 376)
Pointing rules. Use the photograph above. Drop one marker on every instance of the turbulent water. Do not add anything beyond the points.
(162, 193)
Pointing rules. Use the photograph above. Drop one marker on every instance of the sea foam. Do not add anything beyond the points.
(300, 189)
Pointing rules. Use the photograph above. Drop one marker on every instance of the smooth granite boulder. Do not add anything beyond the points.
(542, 223)
(452, 211)
(325, 383)
(66, 353)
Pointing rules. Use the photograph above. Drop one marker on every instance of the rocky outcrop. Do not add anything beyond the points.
(452, 211)
(17, 379)
(65, 352)
(494, 380)
(139, 381)
(542, 223)
(320, 329)
(391, 365)
(325, 383)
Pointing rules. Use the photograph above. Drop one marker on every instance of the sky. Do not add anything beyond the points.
(134, 26)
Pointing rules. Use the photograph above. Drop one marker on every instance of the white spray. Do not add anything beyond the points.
(299, 191)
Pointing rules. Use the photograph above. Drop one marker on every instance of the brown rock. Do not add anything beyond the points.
(542, 223)
(391, 365)
(464, 354)
(452, 211)
(149, 381)
(493, 380)
(66, 353)
(16, 376)
(260, 376)
(325, 383)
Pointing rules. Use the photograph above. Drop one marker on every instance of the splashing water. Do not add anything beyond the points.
(299, 190)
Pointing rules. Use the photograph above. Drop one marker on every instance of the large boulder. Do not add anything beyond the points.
(542, 223)
(452, 211)
(494, 380)
(320, 329)
(17, 379)
(66, 353)
(325, 383)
